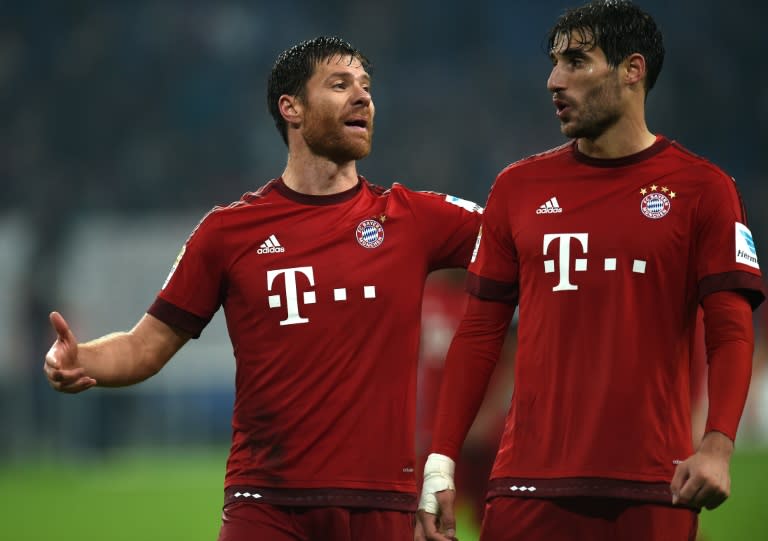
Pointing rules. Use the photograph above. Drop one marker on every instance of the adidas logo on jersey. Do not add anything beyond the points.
(270, 246)
(550, 207)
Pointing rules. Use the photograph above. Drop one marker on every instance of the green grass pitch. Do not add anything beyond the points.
(163, 496)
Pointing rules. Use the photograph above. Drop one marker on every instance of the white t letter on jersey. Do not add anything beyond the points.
(565, 257)
(291, 294)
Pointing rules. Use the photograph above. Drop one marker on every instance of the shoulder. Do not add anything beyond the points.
(534, 164)
(221, 215)
(702, 168)
(430, 198)
(248, 202)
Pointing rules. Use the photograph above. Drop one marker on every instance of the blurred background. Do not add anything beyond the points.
(123, 122)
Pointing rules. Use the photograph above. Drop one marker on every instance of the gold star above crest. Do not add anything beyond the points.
(653, 188)
(643, 191)
(383, 218)
(672, 195)
(664, 189)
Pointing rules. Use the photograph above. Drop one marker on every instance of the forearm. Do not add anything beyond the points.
(117, 359)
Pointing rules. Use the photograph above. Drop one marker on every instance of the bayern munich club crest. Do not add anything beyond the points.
(369, 234)
(656, 202)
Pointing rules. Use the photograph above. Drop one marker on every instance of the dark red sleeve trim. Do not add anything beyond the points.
(174, 316)
(745, 283)
(491, 290)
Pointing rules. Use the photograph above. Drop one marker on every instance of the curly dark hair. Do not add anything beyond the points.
(619, 28)
(294, 67)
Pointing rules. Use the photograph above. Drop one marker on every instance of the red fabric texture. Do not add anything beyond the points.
(730, 344)
(470, 363)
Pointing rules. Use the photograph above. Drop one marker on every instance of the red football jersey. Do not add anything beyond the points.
(322, 298)
(609, 259)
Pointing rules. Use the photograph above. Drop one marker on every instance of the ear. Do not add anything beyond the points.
(634, 69)
(291, 109)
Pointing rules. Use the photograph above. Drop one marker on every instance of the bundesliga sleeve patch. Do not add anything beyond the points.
(471, 206)
(477, 245)
(745, 246)
(175, 264)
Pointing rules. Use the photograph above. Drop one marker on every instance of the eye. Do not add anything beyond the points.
(340, 85)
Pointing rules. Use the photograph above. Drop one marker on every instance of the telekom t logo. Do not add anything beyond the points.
(309, 297)
(565, 258)
(291, 293)
(579, 263)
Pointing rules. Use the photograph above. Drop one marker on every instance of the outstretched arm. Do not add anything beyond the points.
(114, 360)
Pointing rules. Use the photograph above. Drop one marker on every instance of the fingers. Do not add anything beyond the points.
(418, 531)
(445, 500)
(430, 527)
(59, 325)
(71, 380)
(711, 492)
(700, 484)
(702, 493)
(60, 361)
(715, 498)
(63, 352)
(678, 479)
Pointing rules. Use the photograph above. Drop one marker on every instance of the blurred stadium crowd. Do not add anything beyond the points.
(123, 122)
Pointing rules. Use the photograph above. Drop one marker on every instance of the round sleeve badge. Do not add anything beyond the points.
(369, 234)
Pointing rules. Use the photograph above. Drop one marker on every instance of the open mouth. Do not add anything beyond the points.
(357, 123)
(561, 107)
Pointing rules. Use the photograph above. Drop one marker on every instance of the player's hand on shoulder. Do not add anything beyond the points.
(438, 495)
(703, 479)
(61, 366)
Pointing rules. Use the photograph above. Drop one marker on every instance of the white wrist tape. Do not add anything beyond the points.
(438, 476)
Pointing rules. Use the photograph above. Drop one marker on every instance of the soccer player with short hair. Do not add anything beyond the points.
(320, 274)
(609, 244)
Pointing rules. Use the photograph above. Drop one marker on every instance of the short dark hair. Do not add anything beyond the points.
(294, 67)
(619, 28)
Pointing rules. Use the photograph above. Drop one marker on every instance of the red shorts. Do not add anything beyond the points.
(251, 522)
(585, 519)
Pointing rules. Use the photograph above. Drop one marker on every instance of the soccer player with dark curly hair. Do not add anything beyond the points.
(609, 244)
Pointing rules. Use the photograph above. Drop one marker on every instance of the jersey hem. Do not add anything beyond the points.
(321, 497)
(594, 487)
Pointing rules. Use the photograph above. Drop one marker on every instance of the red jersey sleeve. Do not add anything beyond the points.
(730, 344)
(726, 259)
(448, 225)
(192, 293)
(494, 269)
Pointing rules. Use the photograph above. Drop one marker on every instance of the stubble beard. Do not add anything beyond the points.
(326, 138)
(600, 110)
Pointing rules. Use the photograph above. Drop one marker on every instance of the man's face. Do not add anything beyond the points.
(338, 110)
(585, 89)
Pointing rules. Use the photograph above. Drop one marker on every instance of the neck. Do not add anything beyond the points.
(314, 175)
(628, 136)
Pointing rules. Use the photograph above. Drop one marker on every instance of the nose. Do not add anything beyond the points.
(555, 82)
(362, 96)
